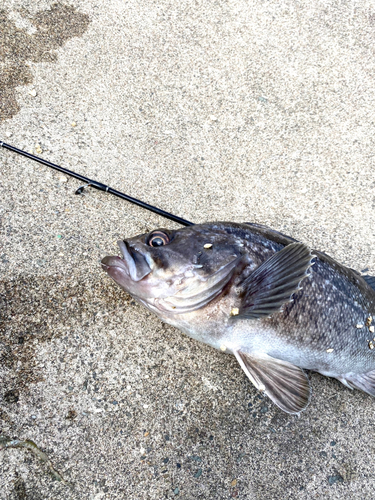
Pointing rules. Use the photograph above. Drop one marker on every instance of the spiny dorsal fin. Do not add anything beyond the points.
(272, 284)
(285, 384)
(370, 280)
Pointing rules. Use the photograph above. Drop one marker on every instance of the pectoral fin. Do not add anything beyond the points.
(272, 284)
(285, 384)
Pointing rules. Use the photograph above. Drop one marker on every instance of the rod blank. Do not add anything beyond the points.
(98, 185)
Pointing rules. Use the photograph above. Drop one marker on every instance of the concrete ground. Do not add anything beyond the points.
(240, 110)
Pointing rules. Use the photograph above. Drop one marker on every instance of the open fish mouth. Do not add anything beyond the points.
(132, 264)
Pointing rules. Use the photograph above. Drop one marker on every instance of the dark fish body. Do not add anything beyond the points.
(253, 292)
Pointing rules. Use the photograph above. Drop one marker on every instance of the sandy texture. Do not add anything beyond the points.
(242, 110)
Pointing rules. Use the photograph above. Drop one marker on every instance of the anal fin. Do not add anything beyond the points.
(363, 381)
(285, 384)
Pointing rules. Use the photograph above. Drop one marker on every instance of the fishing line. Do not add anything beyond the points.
(97, 185)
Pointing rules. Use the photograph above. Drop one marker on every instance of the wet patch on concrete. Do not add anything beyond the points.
(36, 310)
(26, 38)
(19, 490)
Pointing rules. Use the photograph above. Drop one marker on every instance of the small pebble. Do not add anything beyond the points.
(329, 350)
(235, 311)
(38, 149)
(198, 473)
(176, 491)
(369, 321)
(213, 118)
(207, 245)
(63, 178)
(73, 124)
(32, 92)
(223, 348)
(359, 325)
(372, 329)
(234, 482)
(335, 479)
(146, 434)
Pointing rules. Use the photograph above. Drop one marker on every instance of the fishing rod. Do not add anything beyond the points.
(98, 185)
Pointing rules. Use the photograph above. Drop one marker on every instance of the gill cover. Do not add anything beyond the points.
(200, 291)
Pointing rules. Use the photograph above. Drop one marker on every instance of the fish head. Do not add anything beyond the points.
(175, 270)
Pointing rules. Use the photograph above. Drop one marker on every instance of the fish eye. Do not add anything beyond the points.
(158, 239)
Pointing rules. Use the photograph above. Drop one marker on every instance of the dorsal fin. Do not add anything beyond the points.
(370, 280)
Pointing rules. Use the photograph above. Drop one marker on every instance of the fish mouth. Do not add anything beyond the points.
(133, 264)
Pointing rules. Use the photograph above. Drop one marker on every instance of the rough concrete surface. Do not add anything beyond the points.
(241, 110)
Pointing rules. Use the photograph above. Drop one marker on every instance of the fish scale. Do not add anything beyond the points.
(260, 295)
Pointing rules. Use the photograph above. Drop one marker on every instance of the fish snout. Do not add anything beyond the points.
(132, 265)
(112, 261)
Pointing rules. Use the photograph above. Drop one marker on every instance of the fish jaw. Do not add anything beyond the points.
(127, 271)
(116, 269)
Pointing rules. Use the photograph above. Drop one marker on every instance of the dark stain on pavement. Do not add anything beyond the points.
(35, 310)
(19, 491)
(53, 28)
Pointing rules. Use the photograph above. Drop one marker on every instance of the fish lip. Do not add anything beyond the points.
(128, 259)
(123, 247)
(125, 263)
(132, 263)
(112, 261)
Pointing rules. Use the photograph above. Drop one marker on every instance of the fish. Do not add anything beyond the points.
(250, 291)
